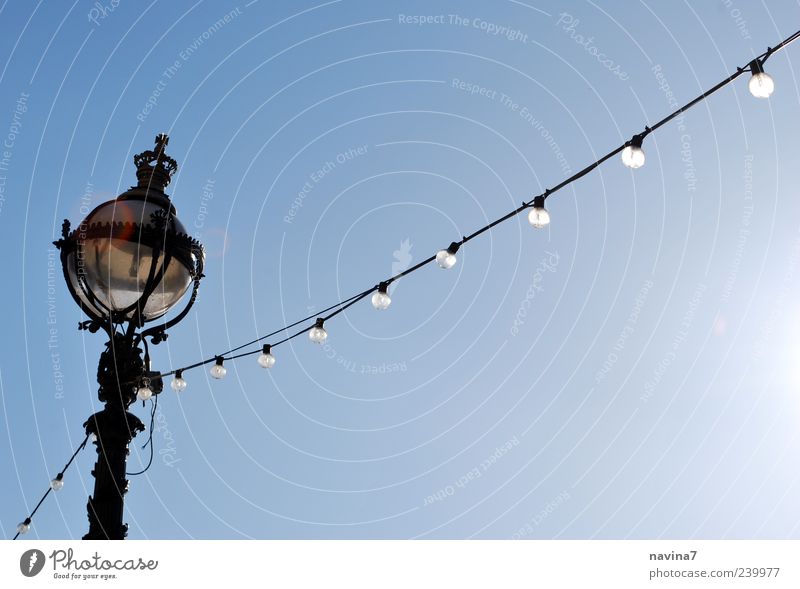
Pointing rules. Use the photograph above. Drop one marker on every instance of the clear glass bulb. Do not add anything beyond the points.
(57, 484)
(218, 371)
(178, 384)
(23, 527)
(266, 360)
(381, 300)
(317, 334)
(761, 85)
(445, 259)
(539, 217)
(93, 437)
(144, 393)
(633, 157)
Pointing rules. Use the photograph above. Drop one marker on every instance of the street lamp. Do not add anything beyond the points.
(126, 265)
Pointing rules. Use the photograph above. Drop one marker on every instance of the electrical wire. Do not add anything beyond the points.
(342, 305)
(149, 442)
(29, 519)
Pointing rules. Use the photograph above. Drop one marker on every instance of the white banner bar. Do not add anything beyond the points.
(402, 564)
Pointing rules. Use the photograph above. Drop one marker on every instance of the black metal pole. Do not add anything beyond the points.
(114, 428)
(157, 232)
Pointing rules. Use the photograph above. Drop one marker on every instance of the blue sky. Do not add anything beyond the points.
(630, 372)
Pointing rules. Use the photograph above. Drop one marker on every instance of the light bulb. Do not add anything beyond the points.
(539, 217)
(178, 383)
(144, 393)
(381, 299)
(93, 437)
(24, 527)
(218, 370)
(265, 358)
(633, 156)
(447, 258)
(761, 85)
(318, 333)
(57, 483)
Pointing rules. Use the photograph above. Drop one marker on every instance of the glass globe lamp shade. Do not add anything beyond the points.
(125, 247)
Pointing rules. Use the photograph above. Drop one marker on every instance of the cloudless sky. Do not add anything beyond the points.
(629, 372)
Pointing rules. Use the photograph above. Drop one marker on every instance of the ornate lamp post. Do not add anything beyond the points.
(126, 265)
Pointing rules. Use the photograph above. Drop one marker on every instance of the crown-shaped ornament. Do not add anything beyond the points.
(154, 168)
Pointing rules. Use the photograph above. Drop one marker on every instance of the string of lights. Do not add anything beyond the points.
(55, 485)
(761, 85)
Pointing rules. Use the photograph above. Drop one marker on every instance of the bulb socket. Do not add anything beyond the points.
(636, 140)
(453, 248)
(219, 360)
(320, 322)
(756, 67)
(538, 202)
(265, 349)
(383, 287)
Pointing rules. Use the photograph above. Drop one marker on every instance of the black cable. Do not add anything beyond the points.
(287, 327)
(341, 306)
(49, 489)
(261, 338)
(351, 301)
(149, 441)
